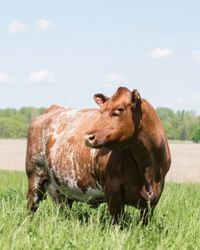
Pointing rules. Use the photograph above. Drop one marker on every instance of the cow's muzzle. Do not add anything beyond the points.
(90, 141)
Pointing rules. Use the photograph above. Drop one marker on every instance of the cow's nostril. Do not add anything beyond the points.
(91, 137)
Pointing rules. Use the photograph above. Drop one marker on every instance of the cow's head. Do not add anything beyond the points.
(119, 119)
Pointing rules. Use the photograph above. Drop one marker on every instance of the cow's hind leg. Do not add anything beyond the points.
(60, 199)
(36, 190)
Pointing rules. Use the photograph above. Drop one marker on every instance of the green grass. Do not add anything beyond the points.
(175, 224)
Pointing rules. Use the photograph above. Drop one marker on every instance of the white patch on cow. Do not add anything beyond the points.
(70, 174)
(70, 131)
(92, 153)
(74, 192)
(36, 182)
(73, 127)
(55, 127)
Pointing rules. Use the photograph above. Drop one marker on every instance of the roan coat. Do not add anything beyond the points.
(117, 154)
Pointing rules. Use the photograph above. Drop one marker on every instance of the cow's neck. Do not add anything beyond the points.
(144, 141)
(140, 151)
(145, 145)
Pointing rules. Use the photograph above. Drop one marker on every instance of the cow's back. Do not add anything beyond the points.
(58, 124)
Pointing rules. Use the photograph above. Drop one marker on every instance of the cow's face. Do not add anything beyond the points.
(118, 121)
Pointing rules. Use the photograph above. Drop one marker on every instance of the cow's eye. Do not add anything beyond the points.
(118, 111)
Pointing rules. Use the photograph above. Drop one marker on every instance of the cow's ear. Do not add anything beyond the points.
(100, 99)
(136, 99)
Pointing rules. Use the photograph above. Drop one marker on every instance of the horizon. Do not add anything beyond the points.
(65, 53)
(97, 107)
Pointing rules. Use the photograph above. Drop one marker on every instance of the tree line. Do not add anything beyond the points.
(14, 123)
(179, 125)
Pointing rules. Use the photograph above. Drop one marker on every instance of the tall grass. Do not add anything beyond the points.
(175, 224)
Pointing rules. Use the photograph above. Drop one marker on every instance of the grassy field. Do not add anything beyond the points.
(175, 225)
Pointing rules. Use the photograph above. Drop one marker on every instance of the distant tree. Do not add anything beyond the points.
(196, 136)
(183, 134)
(167, 117)
(165, 114)
(180, 125)
(30, 113)
(12, 128)
(14, 123)
(8, 112)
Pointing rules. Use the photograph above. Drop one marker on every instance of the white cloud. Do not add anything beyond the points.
(180, 100)
(4, 78)
(44, 24)
(113, 79)
(196, 55)
(42, 76)
(159, 53)
(17, 26)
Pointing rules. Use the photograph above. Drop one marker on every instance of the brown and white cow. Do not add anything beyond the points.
(117, 154)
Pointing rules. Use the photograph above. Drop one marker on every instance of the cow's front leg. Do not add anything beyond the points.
(114, 197)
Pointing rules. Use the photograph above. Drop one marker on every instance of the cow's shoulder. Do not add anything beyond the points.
(152, 125)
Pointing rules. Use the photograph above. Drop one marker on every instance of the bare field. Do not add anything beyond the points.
(185, 159)
(12, 154)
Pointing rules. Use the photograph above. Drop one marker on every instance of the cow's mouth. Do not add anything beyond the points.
(93, 145)
(92, 141)
(112, 145)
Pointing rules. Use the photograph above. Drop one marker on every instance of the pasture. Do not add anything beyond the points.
(175, 224)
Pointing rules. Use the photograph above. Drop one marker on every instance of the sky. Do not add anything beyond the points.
(64, 52)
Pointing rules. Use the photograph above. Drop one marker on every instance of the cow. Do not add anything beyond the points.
(116, 154)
